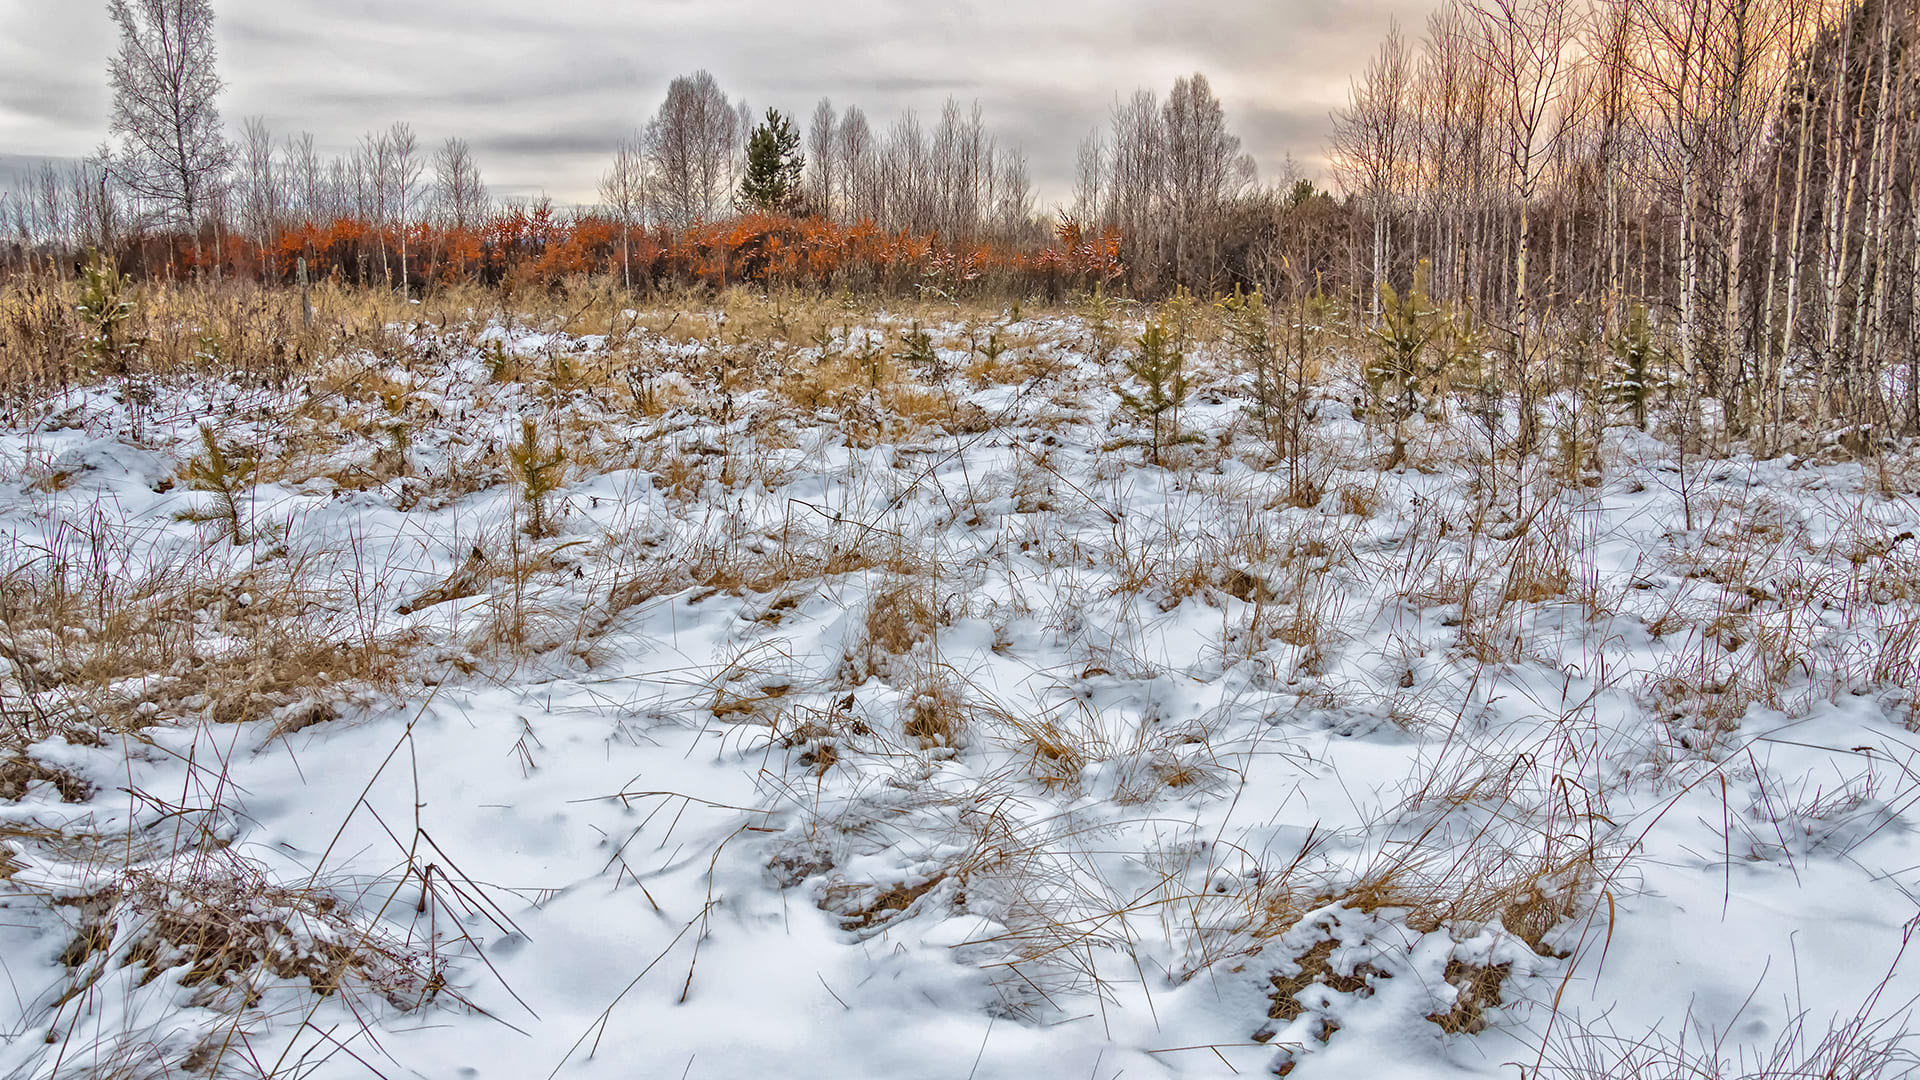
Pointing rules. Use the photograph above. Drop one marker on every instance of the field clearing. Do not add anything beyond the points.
(901, 695)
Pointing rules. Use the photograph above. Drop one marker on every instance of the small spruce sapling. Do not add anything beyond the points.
(538, 471)
(224, 474)
(1159, 365)
(1635, 357)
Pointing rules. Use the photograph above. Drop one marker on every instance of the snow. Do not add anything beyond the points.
(643, 865)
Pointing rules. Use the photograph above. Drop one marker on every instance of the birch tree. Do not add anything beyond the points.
(823, 146)
(692, 144)
(623, 189)
(459, 191)
(1370, 141)
(172, 154)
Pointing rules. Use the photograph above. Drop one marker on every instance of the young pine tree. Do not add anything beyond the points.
(774, 163)
(538, 471)
(224, 474)
(107, 303)
(1250, 336)
(1159, 363)
(916, 351)
(1404, 370)
(1098, 315)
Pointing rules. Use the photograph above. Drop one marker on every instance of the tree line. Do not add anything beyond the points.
(1734, 179)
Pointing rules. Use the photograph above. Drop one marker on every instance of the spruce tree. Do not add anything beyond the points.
(1635, 356)
(774, 161)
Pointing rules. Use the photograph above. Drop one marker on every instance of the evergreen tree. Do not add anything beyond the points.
(107, 303)
(1635, 356)
(774, 163)
(1160, 364)
(1404, 371)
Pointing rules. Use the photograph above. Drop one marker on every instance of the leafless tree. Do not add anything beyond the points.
(692, 143)
(1370, 143)
(407, 166)
(96, 202)
(172, 154)
(1013, 206)
(907, 186)
(1203, 168)
(624, 191)
(1525, 45)
(823, 157)
(859, 180)
(1090, 178)
(1134, 177)
(262, 200)
(459, 192)
(48, 195)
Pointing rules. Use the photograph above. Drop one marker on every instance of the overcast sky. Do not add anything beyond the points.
(543, 90)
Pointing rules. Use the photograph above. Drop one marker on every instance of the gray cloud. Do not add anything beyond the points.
(543, 91)
(590, 141)
(17, 170)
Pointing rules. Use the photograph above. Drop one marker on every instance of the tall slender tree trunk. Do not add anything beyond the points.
(1913, 284)
(1832, 235)
(1790, 320)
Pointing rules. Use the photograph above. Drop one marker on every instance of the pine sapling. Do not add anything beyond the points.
(916, 350)
(107, 304)
(992, 349)
(1250, 336)
(1159, 365)
(1477, 379)
(224, 474)
(870, 358)
(1098, 315)
(538, 471)
(1402, 374)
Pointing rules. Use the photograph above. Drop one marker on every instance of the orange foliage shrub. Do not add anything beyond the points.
(540, 248)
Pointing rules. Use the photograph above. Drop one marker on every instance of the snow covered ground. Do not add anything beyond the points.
(857, 716)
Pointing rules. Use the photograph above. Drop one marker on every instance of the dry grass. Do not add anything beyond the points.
(1312, 968)
(1476, 989)
(227, 924)
(901, 613)
(699, 393)
(102, 639)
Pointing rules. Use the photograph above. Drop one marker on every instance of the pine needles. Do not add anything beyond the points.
(107, 303)
(226, 475)
(1404, 371)
(538, 472)
(1159, 364)
(1635, 355)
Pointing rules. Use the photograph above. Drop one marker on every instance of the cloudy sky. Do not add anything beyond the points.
(544, 89)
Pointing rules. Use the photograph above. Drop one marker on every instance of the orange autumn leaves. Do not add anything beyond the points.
(538, 247)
